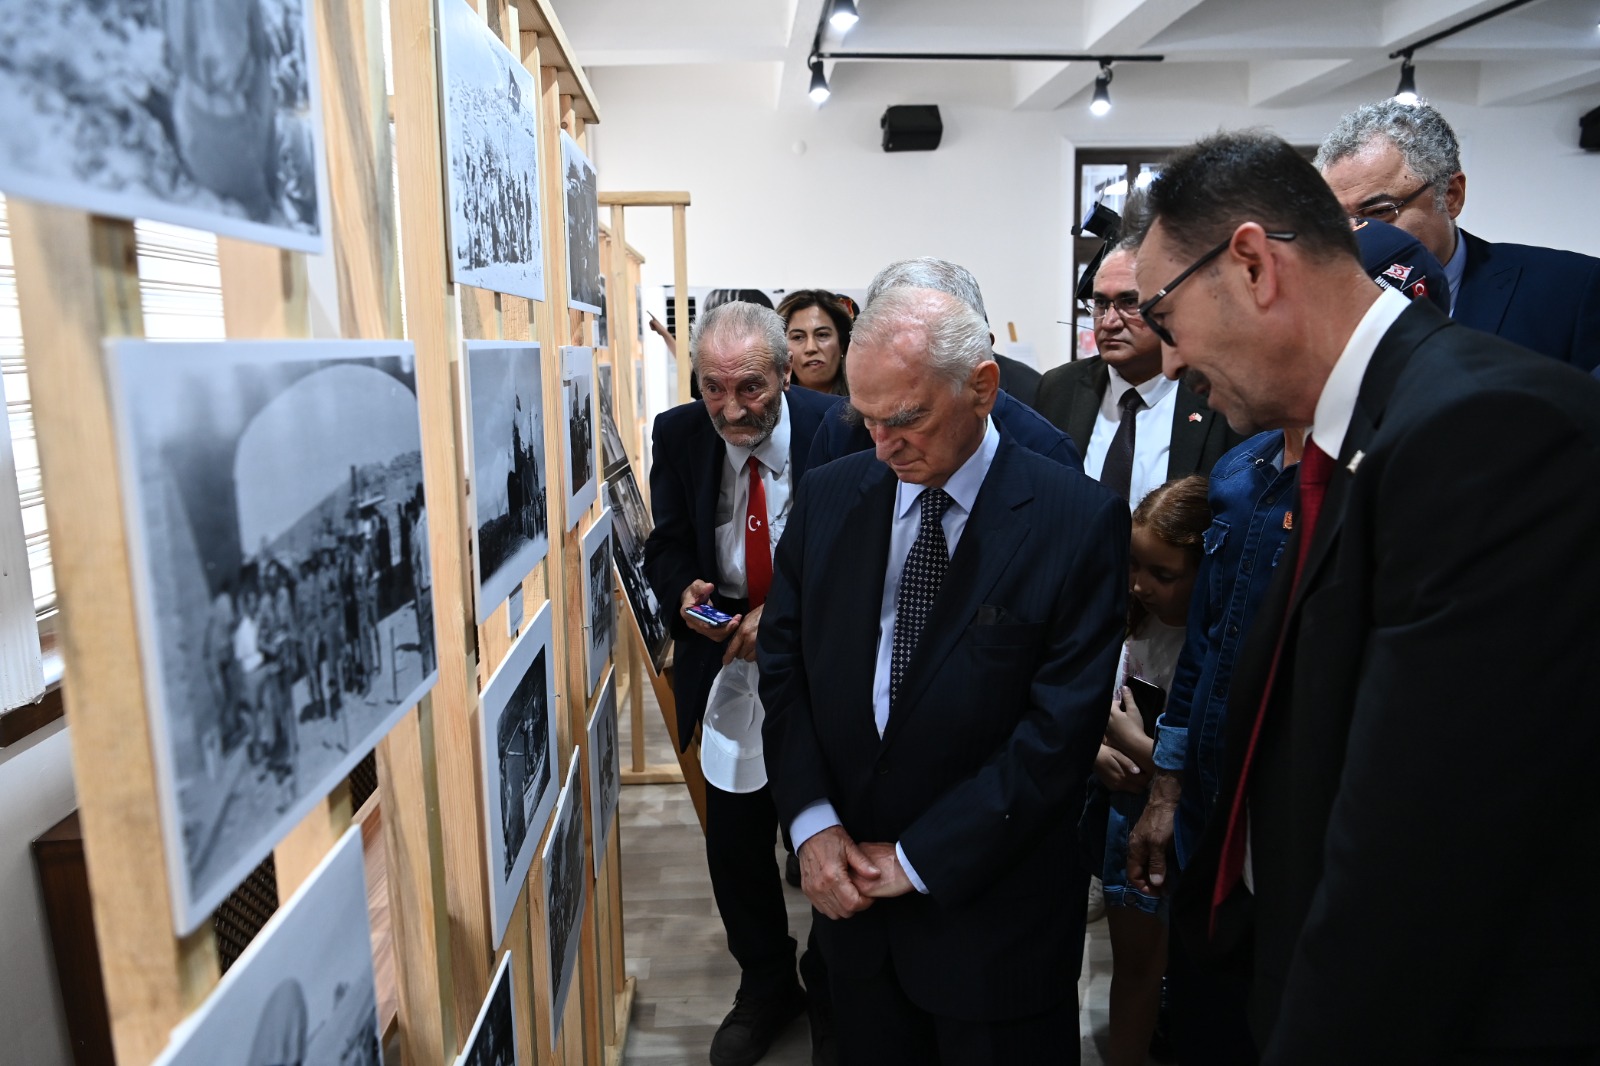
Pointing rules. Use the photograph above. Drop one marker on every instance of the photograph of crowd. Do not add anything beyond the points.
(599, 604)
(605, 769)
(202, 113)
(613, 453)
(505, 414)
(565, 878)
(491, 125)
(519, 739)
(303, 991)
(279, 538)
(577, 402)
(630, 526)
(583, 228)
(493, 1040)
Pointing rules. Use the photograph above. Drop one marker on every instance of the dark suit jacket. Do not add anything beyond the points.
(1070, 395)
(1540, 298)
(685, 477)
(1428, 749)
(839, 436)
(980, 772)
(1018, 378)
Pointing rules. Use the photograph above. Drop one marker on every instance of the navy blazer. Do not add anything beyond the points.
(979, 774)
(1540, 298)
(840, 436)
(685, 476)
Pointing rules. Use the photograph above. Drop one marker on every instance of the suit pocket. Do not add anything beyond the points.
(1006, 634)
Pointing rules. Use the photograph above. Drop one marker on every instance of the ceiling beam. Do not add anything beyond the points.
(1529, 81)
(1110, 26)
(1293, 82)
(1405, 21)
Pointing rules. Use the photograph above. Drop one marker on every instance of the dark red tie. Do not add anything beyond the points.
(757, 545)
(1315, 470)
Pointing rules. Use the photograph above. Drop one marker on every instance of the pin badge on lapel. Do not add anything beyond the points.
(1195, 416)
(1355, 461)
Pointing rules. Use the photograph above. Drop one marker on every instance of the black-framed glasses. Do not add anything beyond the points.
(1126, 306)
(1387, 210)
(1144, 309)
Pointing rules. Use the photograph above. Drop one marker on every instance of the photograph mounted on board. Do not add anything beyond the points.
(303, 991)
(278, 538)
(613, 452)
(566, 875)
(491, 132)
(605, 769)
(577, 404)
(519, 746)
(599, 603)
(602, 329)
(202, 113)
(505, 449)
(583, 227)
(630, 527)
(493, 1040)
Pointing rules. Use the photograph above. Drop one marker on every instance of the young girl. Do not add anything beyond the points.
(1168, 530)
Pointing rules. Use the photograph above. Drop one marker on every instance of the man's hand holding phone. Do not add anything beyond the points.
(700, 616)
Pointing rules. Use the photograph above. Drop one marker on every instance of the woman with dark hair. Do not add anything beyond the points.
(819, 337)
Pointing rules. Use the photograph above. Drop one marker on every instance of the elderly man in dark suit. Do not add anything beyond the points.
(1134, 428)
(1438, 588)
(1400, 163)
(725, 472)
(936, 661)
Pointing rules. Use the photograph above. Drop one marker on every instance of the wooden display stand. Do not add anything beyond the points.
(77, 285)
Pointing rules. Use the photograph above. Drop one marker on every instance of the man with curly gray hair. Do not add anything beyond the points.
(1401, 163)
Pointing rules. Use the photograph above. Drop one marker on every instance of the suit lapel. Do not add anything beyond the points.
(860, 567)
(708, 455)
(1086, 405)
(1188, 434)
(1486, 287)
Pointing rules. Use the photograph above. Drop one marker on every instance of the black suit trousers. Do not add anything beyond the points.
(741, 834)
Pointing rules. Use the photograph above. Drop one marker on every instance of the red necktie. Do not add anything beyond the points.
(1315, 470)
(757, 545)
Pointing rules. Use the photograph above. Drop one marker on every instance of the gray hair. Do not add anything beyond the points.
(737, 321)
(930, 273)
(957, 337)
(1426, 142)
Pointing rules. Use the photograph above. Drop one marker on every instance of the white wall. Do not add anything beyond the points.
(997, 194)
(35, 793)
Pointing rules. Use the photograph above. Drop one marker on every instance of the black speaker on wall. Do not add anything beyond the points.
(1589, 131)
(911, 128)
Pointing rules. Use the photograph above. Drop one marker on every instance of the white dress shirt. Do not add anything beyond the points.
(733, 501)
(1152, 438)
(962, 488)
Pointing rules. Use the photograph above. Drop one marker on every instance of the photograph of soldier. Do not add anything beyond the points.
(505, 409)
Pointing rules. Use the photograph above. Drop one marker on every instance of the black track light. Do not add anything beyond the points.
(819, 82)
(1407, 91)
(844, 15)
(1101, 104)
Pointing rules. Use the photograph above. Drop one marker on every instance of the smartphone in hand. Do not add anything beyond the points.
(709, 615)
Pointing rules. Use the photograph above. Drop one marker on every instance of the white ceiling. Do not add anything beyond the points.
(1285, 52)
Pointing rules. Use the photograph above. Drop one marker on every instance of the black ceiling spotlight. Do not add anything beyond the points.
(1101, 104)
(819, 83)
(844, 15)
(1406, 93)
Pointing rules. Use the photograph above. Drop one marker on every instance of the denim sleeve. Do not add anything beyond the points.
(1172, 728)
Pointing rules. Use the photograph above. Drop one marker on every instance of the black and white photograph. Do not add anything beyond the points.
(278, 539)
(598, 602)
(612, 450)
(577, 404)
(566, 875)
(583, 228)
(203, 113)
(630, 526)
(519, 746)
(303, 991)
(506, 452)
(493, 1040)
(602, 331)
(491, 125)
(605, 769)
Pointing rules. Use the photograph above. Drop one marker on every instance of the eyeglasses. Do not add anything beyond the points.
(1144, 308)
(1387, 210)
(1127, 307)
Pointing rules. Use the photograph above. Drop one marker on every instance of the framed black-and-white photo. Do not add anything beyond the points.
(303, 991)
(278, 537)
(491, 126)
(605, 769)
(493, 1040)
(599, 605)
(613, 452)
(505, 448)
(602, 330)
(630, 526)
(204, 113)
(519, 767)
(577, 403)
(583, 227)
(566, 874)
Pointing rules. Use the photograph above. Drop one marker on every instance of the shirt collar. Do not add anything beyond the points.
(1338, 400)
(1456, 269)
(964, 484)
(1151, 392)
(774, 451)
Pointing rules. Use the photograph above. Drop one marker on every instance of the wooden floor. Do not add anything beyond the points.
(674, 939)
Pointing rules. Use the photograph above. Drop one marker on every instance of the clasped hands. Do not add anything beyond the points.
(842, 878)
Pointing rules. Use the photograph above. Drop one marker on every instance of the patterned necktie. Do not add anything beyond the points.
(924, 571)
(1117, 473)
(757, 541)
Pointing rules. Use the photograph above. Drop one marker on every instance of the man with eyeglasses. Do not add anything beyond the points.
(1135, 428)
(1401, 164)
(1424, 635)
